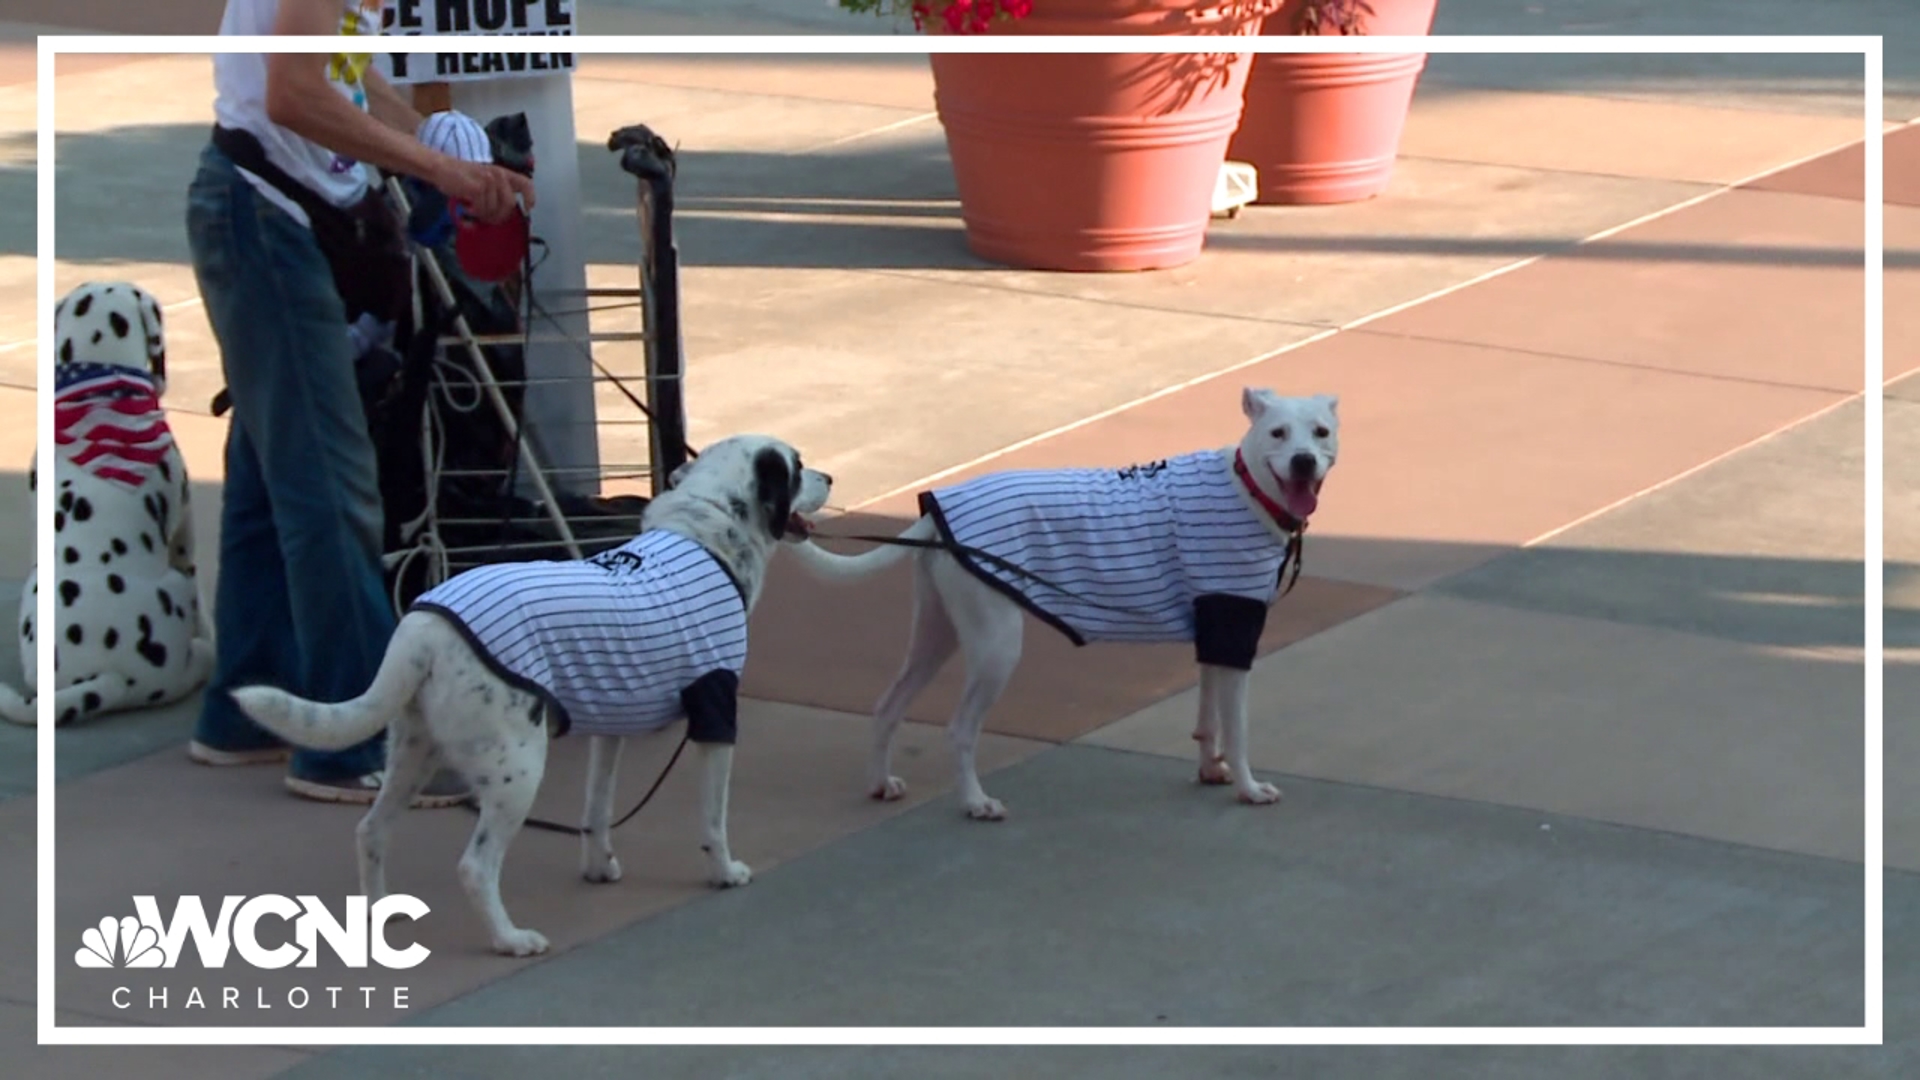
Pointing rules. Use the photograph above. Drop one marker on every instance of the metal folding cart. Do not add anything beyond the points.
(455, 497)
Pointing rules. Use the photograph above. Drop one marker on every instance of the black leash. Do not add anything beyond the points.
(570, 830)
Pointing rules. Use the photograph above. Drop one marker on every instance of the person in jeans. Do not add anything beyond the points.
(301, 601)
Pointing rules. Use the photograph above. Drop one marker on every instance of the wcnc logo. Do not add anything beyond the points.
(145, 940)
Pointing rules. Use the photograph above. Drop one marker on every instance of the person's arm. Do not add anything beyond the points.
(390, 105)
(300, 100)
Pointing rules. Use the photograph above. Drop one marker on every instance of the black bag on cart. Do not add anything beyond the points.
(439, 395)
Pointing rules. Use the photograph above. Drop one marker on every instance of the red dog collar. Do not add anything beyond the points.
(1287, 522)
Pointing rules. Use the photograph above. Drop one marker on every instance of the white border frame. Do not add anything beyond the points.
(1871, 1033)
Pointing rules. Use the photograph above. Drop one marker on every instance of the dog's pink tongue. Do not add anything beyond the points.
(799, 526)
(1300, 499)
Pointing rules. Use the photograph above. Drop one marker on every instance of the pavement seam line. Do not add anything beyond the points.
(1700, 467)
(904, 122)
(1271, 354)
(1628, 365)
(1468, 83)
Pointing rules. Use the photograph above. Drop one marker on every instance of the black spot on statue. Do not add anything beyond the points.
(156, 695)
(150, 650)
(119, 324)
(68, 716)
(117, 583)
(90, 702)
(59, 521)
(75, 634)
(66, 351)
(146, 541)
(112, 639)
(119, 546)
(71, 555)
(69, 592)
(82, 509)
(66, 500)
(166, 602)
(83, 305)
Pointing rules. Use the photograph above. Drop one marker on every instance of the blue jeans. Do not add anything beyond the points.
(301, 602)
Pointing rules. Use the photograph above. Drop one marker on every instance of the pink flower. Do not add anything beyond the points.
(1017, 9)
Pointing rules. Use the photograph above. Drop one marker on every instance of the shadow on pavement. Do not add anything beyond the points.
(837, 646)
(893, 207)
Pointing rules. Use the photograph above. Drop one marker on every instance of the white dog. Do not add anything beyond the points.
(1190, 549)
(624, 643)
(129, 632)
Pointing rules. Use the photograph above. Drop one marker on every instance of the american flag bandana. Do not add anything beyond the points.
(107, 420)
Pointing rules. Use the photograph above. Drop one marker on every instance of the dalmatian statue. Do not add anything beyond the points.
(129, 631)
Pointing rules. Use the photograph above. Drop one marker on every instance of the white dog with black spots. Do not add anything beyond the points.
(489, 665)
(129, 631)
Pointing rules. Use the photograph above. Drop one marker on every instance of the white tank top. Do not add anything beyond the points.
(1130, 549)
(240, 102)
(609, 642)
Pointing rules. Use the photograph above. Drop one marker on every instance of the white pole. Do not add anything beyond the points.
(559, 403)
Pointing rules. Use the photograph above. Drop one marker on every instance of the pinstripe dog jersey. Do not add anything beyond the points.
(1161, 552)
(623, 643)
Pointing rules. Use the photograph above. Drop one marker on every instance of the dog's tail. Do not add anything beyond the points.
(15, 709)
(335, 727)
(830, 567)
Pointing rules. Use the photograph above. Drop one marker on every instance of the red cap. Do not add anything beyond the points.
(490, 251)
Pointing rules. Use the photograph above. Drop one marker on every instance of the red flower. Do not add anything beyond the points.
(1017, 9)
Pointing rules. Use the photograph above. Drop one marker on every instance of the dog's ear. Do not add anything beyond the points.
(773, 489)
(678, 474)
(153, 324)
(1332, 402)
(1254, 401)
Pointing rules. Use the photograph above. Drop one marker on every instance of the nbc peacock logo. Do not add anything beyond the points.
(120, 943)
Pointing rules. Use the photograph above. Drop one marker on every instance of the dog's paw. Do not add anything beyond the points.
(734, 875)
(985, 809)
(1215, 772)
(601, 869)
(521, 943)
(892, 789)
(1260, 794)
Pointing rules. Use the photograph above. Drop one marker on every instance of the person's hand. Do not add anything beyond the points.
(490, 191)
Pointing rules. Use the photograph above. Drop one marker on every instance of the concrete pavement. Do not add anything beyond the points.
(1566, 708)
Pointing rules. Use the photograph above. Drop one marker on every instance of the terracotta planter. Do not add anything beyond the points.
(1326, 128)
(1094, 162)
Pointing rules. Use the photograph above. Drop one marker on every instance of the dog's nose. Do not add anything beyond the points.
(1303, 466)
(828, 477)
